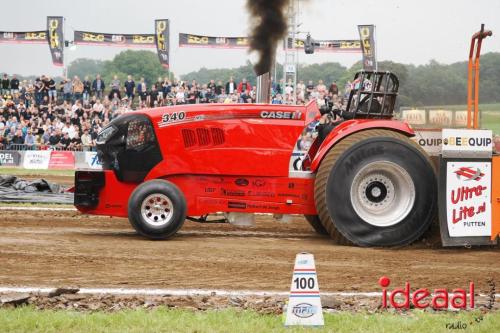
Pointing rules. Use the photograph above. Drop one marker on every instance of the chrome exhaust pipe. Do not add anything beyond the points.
(264, 88)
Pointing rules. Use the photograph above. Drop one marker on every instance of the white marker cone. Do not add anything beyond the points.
(304, 304)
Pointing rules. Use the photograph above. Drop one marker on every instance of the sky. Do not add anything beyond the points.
(407, 31)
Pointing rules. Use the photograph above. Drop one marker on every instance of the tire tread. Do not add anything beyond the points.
(326, 166)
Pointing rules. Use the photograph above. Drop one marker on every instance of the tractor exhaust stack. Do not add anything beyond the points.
(264, 88)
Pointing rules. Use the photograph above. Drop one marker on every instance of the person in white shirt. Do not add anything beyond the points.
(231, 86)
(69, 129)
(98, 107)
(180, 96)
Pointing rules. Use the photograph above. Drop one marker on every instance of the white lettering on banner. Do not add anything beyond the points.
(468, 198)
(92, 161)
(430, 141)
(7, 158)
(36, 159)
(304, 304)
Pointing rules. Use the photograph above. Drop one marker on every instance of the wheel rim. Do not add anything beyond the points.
(382, 193)
(157, 210)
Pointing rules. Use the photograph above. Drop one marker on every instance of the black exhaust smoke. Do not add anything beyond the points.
(268, 27)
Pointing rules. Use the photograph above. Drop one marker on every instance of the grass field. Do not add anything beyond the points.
(35, 173)
(28, 319)
(491, 120)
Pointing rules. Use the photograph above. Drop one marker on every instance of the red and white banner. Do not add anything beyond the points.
(468, 198)
(62, 160)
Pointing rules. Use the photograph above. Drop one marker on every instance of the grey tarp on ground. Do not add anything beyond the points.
(13, 189)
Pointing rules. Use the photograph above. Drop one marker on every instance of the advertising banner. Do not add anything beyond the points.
(56, 39)
(468, 198)
(414, 117)
(91, 160)
(347, 46)
(120, 40)
(36, 159)
(189, 40)
(440, 118)
(25, 37)
(467, 143)
(367, 37)
(162, 35)
(460, 119)
(9, 158)
(429, 140)
(62, 160)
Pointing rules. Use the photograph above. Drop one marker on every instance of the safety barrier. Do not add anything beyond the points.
(49, 159)
(23, 147)
(435, 118)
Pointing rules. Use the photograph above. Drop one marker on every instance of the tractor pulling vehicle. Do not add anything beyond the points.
(361, 180)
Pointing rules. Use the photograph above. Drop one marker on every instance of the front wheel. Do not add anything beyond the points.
(376, 188)
(157, 209)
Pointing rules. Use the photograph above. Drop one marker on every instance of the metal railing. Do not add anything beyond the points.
(23, 147)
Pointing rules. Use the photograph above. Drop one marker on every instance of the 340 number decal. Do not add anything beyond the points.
(171, 117)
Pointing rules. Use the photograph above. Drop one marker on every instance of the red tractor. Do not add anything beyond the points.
(361, 179)
(356, 174)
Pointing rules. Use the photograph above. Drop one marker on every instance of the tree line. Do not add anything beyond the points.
(429, 84)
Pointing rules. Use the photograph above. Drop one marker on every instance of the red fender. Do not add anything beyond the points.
(356, 125)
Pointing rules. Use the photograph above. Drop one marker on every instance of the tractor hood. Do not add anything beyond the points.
(174, 115)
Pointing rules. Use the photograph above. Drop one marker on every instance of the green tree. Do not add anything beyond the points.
(85, 67)
(328, 72)
(136, 63)
(204, 75)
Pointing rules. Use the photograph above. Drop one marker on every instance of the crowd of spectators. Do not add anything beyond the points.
(67, 115)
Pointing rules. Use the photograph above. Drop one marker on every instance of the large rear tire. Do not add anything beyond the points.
(157, 209)
(315, 223)
(376, 188)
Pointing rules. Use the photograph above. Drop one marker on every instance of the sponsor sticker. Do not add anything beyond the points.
(430, 141)
(296, 115)
(468, 198)
(304, 310)
(465, 143)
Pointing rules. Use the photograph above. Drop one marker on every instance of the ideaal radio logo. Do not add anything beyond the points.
(440, 299)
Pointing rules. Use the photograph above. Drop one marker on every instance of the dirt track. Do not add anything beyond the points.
(65, 248)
